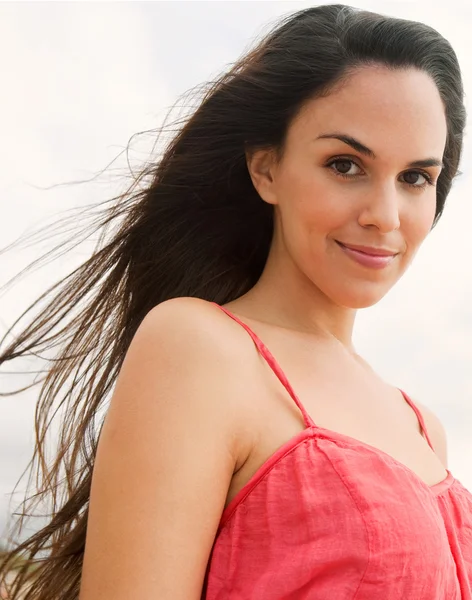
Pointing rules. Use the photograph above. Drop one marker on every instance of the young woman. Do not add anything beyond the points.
(247, 451)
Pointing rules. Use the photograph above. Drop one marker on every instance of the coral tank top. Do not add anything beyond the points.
(329, 517)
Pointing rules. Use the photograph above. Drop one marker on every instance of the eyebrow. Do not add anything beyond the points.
(363, 149)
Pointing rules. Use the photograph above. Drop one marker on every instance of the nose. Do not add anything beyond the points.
(380, 208)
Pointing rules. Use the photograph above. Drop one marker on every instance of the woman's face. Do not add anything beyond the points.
(357, 180)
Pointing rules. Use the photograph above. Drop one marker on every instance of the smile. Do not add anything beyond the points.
(373, 258)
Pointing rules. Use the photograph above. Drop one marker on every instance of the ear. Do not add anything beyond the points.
(261, 165)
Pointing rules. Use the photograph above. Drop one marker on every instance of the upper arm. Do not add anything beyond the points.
(436, 432)
(164, 463)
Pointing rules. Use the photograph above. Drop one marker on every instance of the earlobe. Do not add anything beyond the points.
(260, 165)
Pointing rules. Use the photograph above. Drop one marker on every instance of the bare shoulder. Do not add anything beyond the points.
(436, 431)
(193, 345)
(191, 324)
(188, 326)
(167, 452)
(198, 334)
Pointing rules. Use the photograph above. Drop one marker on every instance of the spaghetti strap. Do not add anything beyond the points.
(419, 417)
(273, 364)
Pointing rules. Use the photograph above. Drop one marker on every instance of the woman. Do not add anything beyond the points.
(298, 192)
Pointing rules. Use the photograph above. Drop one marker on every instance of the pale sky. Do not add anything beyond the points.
(79, 79)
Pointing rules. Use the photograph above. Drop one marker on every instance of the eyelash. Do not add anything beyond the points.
(429, 180)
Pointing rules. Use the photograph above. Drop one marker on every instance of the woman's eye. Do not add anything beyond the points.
(416, 179)
(344, 166)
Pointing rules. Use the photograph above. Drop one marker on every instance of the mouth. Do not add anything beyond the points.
(369, 256)
(369, 250)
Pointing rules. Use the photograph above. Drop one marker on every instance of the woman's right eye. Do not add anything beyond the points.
(343, 167)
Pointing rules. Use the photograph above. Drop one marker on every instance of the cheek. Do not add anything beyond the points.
(311, 203)
(420, 222)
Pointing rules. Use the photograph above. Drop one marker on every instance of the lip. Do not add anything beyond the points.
(368, 256)
(370, 250)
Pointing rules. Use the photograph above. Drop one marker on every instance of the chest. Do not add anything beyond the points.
(341, 397)
(336, 519)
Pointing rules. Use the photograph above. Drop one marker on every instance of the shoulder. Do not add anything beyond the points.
(190, 325)
(200, 333)
(180, 387)
(190, 351)
(189, 317)
(436, 431)
(188, 340)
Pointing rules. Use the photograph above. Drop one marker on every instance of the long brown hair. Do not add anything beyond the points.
(191, 224)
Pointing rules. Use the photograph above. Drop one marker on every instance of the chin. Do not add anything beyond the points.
(361, 298)
(362, 303)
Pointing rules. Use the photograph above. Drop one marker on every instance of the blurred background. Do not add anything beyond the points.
(79, 79)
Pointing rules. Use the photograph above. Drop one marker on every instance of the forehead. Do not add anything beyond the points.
(395, 111)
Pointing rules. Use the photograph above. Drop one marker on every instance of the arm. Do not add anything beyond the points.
(165, 460)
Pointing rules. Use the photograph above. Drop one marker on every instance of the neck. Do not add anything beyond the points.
(285, 297)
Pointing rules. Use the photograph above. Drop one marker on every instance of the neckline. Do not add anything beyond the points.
(314, 431)
(436, 488)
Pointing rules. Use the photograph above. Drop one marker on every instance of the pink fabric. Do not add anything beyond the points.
(329, 517)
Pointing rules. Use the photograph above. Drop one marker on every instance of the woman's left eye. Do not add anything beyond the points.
(411, 178)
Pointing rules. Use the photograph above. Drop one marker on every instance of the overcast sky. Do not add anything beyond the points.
(79, 79)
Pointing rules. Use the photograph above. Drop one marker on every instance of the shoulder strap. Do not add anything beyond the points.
(419, 417)
(273, 364)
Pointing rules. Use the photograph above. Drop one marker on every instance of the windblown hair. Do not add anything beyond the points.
(197, 228)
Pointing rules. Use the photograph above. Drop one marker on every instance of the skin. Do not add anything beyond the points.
(177, 443)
